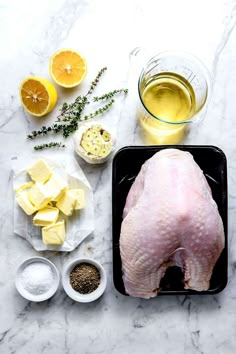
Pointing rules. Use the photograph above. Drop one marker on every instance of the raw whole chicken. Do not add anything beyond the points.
(170, 218)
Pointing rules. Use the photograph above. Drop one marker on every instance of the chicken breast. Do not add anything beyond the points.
(170, 218)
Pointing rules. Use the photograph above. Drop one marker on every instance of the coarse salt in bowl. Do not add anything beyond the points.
(37, 279)
(75, 295)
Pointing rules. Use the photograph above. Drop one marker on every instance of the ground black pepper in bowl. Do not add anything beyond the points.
(85, 278)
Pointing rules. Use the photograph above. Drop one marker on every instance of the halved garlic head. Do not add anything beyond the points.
(93, 143)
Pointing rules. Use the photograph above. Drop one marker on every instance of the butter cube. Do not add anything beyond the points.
(66, 203)
(40, 171)
(46, 216)
(54, 234)
(24, 186)
(80, 198)
(25, 204)
(56, 186)
(39, 195)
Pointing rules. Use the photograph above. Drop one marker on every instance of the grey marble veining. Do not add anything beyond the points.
(106, 32)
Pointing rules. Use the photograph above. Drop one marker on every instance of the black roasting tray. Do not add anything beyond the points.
(126, 165)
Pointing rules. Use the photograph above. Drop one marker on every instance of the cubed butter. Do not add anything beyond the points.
(66, 203)
(25, 204)
(56, 186)
(46, 216)
(24, 186)
(54, 234)
(80, 198)
(39, 195)
(40, 171)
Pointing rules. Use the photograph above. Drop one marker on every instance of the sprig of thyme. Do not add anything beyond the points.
(110, 94)
(55, 128)
(99, 111)
(49, 145)
(96, 80)
(70, 114)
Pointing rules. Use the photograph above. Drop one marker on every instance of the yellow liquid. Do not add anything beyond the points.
(170, 97)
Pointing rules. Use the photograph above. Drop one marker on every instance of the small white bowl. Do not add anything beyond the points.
(27, 295)
(75, 295)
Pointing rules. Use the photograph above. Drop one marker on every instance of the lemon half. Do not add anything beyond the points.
(38, 96)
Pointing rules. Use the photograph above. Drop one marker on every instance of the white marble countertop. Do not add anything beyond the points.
(106, 32)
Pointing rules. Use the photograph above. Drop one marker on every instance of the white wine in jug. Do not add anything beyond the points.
(170, 98)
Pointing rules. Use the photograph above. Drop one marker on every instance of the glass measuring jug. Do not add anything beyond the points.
(174, 90)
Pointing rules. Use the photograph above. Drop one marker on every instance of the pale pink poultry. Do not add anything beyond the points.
(170, 218)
